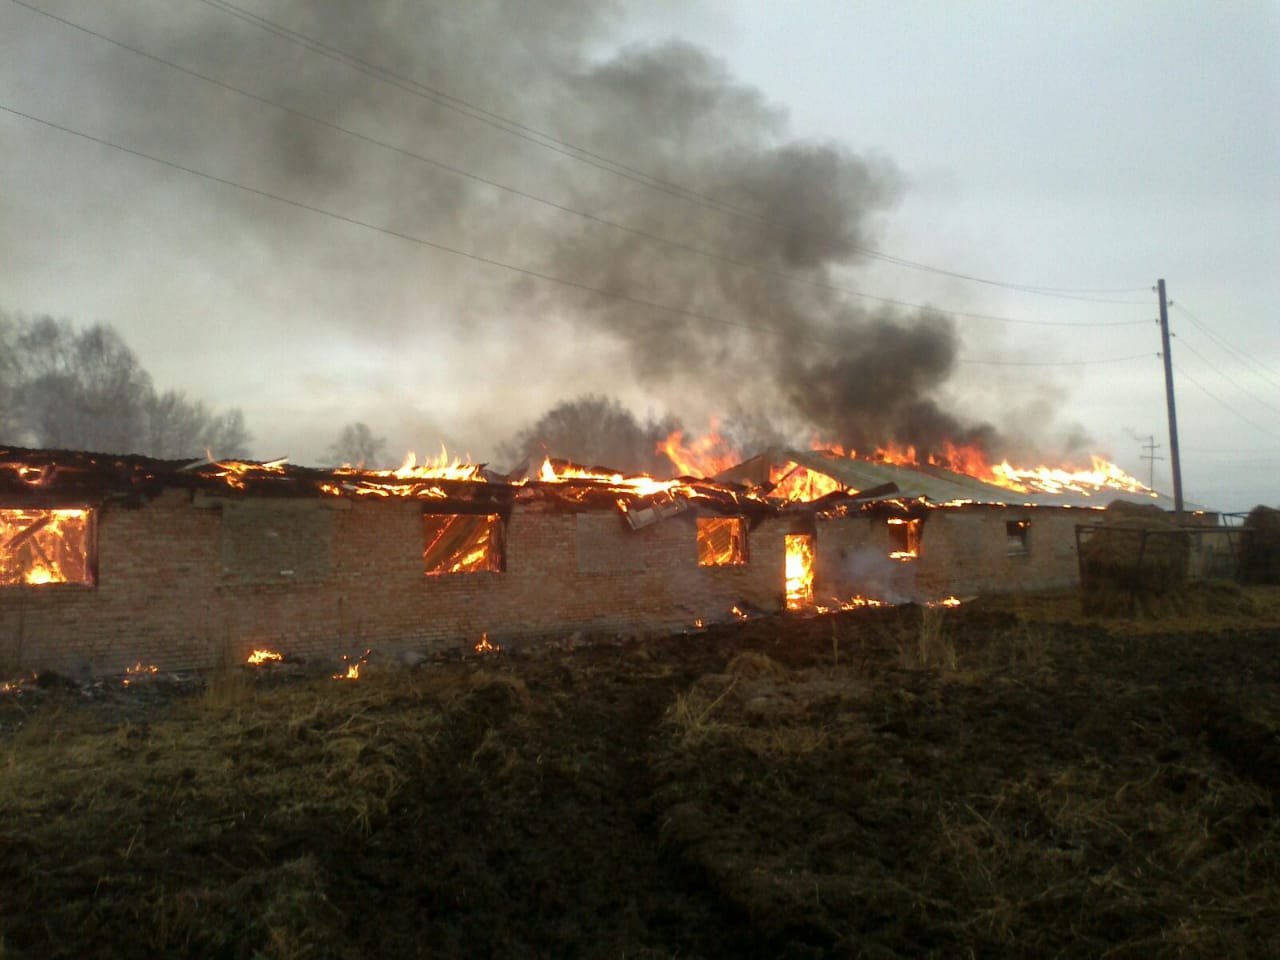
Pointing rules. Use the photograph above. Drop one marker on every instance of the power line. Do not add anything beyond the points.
(1060, 363)
(1256, 368)
(674, 244)
(1224, 451)
(583, 155)
(1182, 342)
(1149, 454)
(1205, 390)
(526, 271)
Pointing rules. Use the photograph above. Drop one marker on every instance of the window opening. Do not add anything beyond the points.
(463, 543)
(799, 570)
(722, 541)
(1016, 541)
(46, 546)
(904, 538)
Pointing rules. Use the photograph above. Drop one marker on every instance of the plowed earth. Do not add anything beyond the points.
(987, 781)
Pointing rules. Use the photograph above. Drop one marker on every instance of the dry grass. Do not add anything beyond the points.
(1061, 801)
(1134, 563)
(1179, 855)
(929, 647)
(229, 683)
(1202, 606)
(241, 774)
(757, 704)
(1007, 778)
(1028, 643)
(690, 715)
(751, 663)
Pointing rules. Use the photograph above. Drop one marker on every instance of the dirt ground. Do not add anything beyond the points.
(1003, 779)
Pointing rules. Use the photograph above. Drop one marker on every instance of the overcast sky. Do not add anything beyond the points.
(1078, 147)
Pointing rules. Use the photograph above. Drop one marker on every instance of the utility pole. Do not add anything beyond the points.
(1149, 453)
(1175, 463)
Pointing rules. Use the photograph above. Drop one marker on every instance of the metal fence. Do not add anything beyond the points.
(1213, 552)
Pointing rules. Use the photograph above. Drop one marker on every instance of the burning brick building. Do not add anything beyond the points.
(108, 561)
(894, 532)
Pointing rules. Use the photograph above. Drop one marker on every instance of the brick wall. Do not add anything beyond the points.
(963, 551)
(182, 583)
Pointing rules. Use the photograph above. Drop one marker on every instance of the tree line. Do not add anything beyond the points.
(591, 430)
(69, 388)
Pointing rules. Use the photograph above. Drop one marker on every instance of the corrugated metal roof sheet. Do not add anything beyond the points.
(936, 484)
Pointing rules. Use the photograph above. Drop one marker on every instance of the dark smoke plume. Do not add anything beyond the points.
(783, 219)
(790, 343)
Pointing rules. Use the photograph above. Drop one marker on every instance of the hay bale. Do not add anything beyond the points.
(1136, 558)
(1130, 509)
(1260, 546)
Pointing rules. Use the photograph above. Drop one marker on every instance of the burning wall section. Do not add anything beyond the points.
(959, 550)
(200, 564)
(45, 545)
(111, 561)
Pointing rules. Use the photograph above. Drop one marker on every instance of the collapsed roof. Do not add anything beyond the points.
(60, 477)
(50, 477)
(875, 479)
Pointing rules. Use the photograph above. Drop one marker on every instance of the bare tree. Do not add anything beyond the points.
(79, 390)
(10, 421)
(226, 434)
(177, 426)
(357, 446)
(594, 431)
(85, 390)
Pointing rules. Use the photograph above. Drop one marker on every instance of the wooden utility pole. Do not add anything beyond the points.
(1175, 464)
(1149, 453)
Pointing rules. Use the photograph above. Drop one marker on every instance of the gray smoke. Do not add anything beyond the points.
(770, 339)
(798, 213)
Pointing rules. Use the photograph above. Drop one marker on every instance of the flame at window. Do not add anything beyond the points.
(722, 541)
(45, 546)
(1015, 532)
(799, 568)
(904, 538)
(462, 543)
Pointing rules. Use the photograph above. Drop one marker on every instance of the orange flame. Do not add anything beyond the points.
(442, 467)
(261, 656)
(13, 686)
(42, 546)
(353, 667)
(237, 473)
(137, 671)
(799, 484)
(799, 570)
(484, 646)
(851, 603)
(907, 536)
(401, 481)
(703, 457)
(1102, 475)
(641, 485)
(711, 454)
